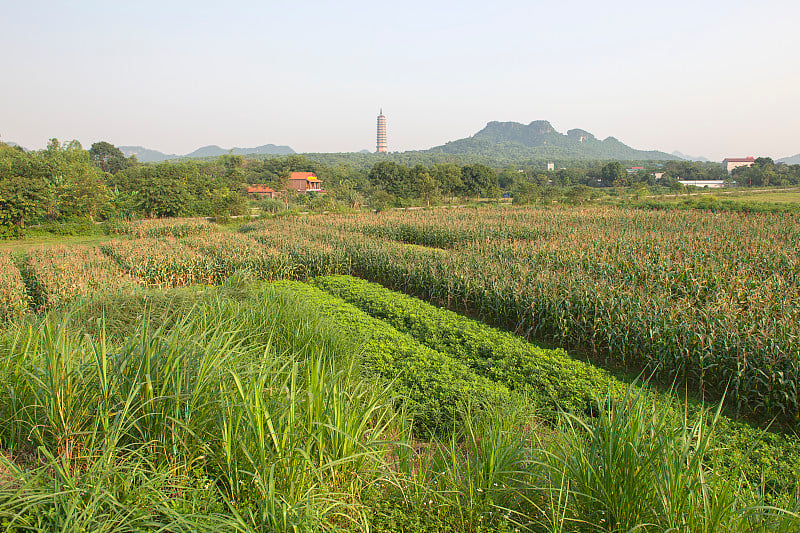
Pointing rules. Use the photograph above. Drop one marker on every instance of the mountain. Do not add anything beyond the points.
(13, 144)
(793, 160)
(146, 155)
(539, 140)
(681, 155)
(216, 151)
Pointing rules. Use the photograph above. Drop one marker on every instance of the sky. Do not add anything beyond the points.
(708, 78)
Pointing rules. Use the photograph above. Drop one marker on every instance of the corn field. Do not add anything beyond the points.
(339, 404)
(231, 252)
(13, 298)
(164, 261)
(175, 227)
(58, 273)
(708, 299)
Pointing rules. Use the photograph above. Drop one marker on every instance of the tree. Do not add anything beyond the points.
(380, 200)
(109, 158)
(79, 190)
(613, 174)
(448, 176)
(158, 190)
(426, 186)
(346, 193)
(24, 191)
(526, 193)
(579, 194)
(548, 195)
(393, 177)
(508, 178)
(478, 178)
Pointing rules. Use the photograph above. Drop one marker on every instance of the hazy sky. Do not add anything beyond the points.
(707, 78)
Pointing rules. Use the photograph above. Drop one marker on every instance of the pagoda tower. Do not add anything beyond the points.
(381, 134)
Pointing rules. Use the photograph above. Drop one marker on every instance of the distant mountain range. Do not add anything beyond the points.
(539, 140)
(146, 155)
(681, 155)
(793, 160)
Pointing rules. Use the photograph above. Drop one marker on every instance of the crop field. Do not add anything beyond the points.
(709, 300)
(381, 372)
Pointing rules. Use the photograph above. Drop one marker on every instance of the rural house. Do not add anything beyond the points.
(261, 191)
(304, 182)
(729, 163)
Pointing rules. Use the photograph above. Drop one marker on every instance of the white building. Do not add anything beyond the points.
(711, 184)
(729, 163)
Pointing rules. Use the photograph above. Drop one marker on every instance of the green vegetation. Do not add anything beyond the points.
(240, 415)
(435, 384)
(237, 410)
(212, 401)
(66, 190)
(676, 292)
(512, 141)
(549, 378)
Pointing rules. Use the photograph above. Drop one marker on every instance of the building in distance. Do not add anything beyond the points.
(305, 182)
(382, 146)
(261, 191)
(729, 163)
(710, 184)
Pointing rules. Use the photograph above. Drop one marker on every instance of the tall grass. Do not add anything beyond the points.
(638, 467)
(255, 402)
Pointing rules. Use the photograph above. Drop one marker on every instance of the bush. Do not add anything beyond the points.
(555, 381)
(271, 205)
(435, 384)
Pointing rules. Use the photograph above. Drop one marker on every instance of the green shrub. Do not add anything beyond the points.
(550, 376)
(435, 384)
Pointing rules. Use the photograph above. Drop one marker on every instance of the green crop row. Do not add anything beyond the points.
(13, 298)
(435, 385)
(446, 237)
(554, 378)
(234, 251)
(174, 227)
(161, 261)
(59, 273)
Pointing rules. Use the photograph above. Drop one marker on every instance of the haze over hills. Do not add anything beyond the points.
(791, 160)
(12, 144)
(539, 140)
(146, 155)
(681, 155)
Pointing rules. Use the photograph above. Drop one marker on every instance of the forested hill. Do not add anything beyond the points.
(146, 155)
(540, 140)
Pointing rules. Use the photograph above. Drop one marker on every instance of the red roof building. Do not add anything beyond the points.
(262, 191)
(305, 182)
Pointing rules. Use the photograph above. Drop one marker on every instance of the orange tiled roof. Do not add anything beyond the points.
(310, 176)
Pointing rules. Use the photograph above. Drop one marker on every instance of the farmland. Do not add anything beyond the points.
(453, 369)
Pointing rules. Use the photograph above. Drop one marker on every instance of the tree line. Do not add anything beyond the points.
(64, 183)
